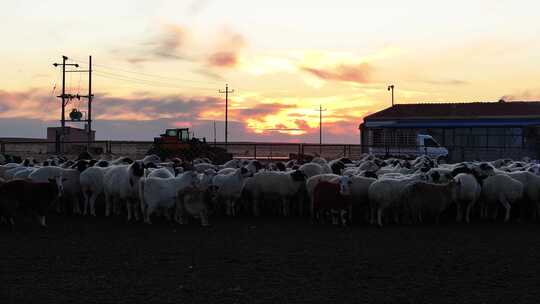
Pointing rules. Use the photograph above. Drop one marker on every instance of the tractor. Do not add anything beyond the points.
(179, 143)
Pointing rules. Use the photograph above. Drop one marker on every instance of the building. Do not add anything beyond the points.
(470, 131)
(75, 139)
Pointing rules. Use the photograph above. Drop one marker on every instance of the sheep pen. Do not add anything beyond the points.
(269, 255)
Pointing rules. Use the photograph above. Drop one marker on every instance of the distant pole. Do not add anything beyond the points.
(90, 97)
(63, 118)
(214, 133)
(391, 88)
(226, 92)
(320, 127)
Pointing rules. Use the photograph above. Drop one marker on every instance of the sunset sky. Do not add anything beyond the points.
(160, 64)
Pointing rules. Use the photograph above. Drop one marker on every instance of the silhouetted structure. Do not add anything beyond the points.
(470, 131)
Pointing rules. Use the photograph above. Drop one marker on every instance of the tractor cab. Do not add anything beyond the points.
(180, 143)
(178, 134)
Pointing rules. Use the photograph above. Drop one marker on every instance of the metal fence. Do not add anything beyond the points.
(456, 153)
(265, 151)
(252, 150)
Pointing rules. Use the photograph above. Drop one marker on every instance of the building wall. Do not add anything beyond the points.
(465, 144)
(71, 135)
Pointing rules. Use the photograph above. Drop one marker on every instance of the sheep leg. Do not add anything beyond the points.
(379, 216)
(108, 203)
(343, 218)
(76, 205)
(86, 199)
(129, 211)
(506, 206)
(148, 213)
(136, 210)
(179, 212)
(334, 215)
(143, 209)
(286, 206)
(92, 202)
(468, 212)
(204, 217)
(233, 206)
(41, 219)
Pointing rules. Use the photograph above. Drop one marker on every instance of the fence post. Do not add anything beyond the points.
(255, 151)
(3, 147)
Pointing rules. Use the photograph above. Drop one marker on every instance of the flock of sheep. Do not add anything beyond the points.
(370, 190)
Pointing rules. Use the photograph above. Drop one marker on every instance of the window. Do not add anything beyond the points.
(184, 135)
(171, 132)
(428, 142)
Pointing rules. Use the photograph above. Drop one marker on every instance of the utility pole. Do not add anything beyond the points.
(214, 133)
(391, 88)
(63, 97)
(90, 97)
(226, 92)
(320, 110)
(67, 97)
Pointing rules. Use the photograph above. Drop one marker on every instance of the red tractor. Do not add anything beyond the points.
(179, 143)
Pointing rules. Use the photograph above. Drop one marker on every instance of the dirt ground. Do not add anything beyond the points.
(268, 260)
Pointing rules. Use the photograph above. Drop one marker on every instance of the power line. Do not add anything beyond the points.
(148, 74)
(120, 77)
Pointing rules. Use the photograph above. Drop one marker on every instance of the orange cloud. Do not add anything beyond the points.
(170, 42)
(523, 95)
(227, 50)
(359, 73)
(223, 59)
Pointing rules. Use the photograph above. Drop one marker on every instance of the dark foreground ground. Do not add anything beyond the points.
(269, 260)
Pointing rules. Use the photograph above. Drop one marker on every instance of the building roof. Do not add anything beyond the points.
(459, 111)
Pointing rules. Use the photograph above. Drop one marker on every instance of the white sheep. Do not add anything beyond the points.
(229, 188)
(468, 193)
(166, 193)
(226, 171)
(385, 193)
(71, 183)
(164, 172)
(195, 202)
(201, 167)
(312, 169)
(92, 185)
(121, 184)
(359, 189)
(423, 199)
(502, 189)
(285, 185)
(439, 175)
(531, 187)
